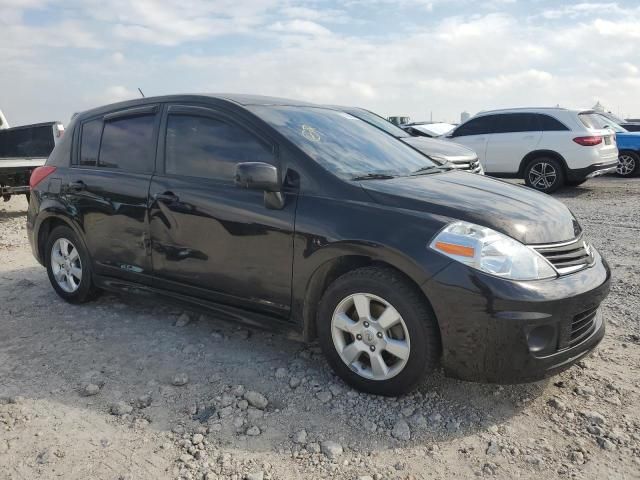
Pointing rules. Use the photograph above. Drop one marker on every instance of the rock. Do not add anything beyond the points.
(180, 380)
(556, 403)
(436, 418)
(197, 439)
(331, 449)
(324, 396)
(90, 390)
(226, 400)
(493, 448)
(294, 382)
(401, 430)
(253, 431)
(585, 390)
(121, 408)
(256, 399)
(186, 458)
(255, 475)
(183, 320)
(300, 437)
(281, 373)
(595, 418)
(335, 389)
(605, 444)
(313, 447)
(238, 390)
(417, 420)
(253, 414)
(143, 401)
(243, 404)
(577, 457)
(489, 468)
(407, 411)
(534, 459)
(594, 430)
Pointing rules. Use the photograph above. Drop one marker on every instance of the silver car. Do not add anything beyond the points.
(457, 156)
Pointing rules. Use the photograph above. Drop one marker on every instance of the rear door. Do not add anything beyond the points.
(515, 135)
(108, 186)
(210, 238)
(474, 134)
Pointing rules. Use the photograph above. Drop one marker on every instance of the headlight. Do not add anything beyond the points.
(491, 252)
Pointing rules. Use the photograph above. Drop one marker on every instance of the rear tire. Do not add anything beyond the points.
(544, 174)
(628, 164)
(377, 331)
(69, 266)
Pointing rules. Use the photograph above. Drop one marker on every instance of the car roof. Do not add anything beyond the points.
(525, 110)
(239, 99)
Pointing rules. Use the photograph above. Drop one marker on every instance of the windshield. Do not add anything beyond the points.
(377, 122)
(343, 144)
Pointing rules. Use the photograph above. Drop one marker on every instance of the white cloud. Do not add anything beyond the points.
(305, 27)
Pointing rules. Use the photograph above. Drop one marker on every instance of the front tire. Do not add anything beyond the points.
(628, 164)
(544, 174)
(377, 331)
(69, 266)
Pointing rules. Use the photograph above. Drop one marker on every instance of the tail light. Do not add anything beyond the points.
(588, 141)
(39, 174)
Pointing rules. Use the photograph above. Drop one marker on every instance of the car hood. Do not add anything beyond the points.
(522, 213)
(441, 148)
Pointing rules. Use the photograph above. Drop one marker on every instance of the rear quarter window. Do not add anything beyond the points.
(550, 124)
(90, 143)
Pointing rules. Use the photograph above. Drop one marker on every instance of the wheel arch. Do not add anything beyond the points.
(540, 154)
(47, 224)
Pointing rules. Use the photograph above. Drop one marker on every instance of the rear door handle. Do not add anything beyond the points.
(166, 197)
(76, 186)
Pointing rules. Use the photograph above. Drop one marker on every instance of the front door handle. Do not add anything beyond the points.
(166, 197)
(76, 186)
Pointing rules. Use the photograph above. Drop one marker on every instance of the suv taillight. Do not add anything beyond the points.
(39, 174)
(588, 141)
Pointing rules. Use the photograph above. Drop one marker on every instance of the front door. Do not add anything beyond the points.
(210, 238)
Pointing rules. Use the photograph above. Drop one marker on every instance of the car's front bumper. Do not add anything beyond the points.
(503, 331)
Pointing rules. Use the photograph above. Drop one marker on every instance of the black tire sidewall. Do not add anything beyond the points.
(86, 290)
(559, 174)
(419, 322)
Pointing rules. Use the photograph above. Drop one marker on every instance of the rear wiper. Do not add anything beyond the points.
(430, 169)
(374, 176)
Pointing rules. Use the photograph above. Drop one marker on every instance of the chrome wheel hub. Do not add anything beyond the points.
(66, 265)
(370, 336)
(542, 175)
(626, 165)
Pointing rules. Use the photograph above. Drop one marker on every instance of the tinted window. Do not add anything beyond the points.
(90, 143)
(379, 122)
(127, 144)
(341, 143)
(515, 122)
(550, 124)
(27, 142)
(475, 126)
(210, 148)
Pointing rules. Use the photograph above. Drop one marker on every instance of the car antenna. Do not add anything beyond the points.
(141, 92)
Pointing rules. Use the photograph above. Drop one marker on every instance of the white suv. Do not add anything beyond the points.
(547, 147)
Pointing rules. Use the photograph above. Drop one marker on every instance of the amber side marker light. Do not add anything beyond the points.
(454, 249)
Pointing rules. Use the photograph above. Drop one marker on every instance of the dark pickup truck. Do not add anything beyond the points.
(21, 150)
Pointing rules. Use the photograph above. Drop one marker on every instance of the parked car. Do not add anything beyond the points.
(398, 120)
(628, 144)
(293, 215)
(547, 147)
(426, 129)
(457, 156)
(630, 125)
(21, 150)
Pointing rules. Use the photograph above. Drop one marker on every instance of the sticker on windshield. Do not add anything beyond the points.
(310, 133)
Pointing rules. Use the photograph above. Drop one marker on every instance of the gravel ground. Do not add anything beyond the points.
(127, 388)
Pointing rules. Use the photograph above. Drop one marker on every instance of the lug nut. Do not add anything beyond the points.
(366, 324)
(359, 337)
(372, 348)
(379, 334)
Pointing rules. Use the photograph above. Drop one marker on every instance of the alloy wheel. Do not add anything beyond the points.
(542, 175)
(66, 265)
(626, 165)
(370, 336)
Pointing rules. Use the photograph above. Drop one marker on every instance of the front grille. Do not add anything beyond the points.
(582, 326)
(567, 257)
(468, 166)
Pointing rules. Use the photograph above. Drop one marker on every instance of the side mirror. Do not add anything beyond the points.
(257, 176)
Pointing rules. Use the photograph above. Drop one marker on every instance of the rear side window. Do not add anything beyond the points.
(515, 122)
(476, 126)
(127, 144)
(90, 143)
(210, 148)
(550, 124)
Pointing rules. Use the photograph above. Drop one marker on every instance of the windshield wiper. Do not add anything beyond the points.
(431, 169)
(373, 176)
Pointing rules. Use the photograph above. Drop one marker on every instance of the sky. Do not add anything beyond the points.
(419, 58)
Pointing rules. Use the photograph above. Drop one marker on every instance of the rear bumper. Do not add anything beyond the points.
(501, 331)
(591, 171)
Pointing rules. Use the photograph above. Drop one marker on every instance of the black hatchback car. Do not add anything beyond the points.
(291, 214)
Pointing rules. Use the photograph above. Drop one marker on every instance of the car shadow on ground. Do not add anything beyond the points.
(6, 216)
(131, 347)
